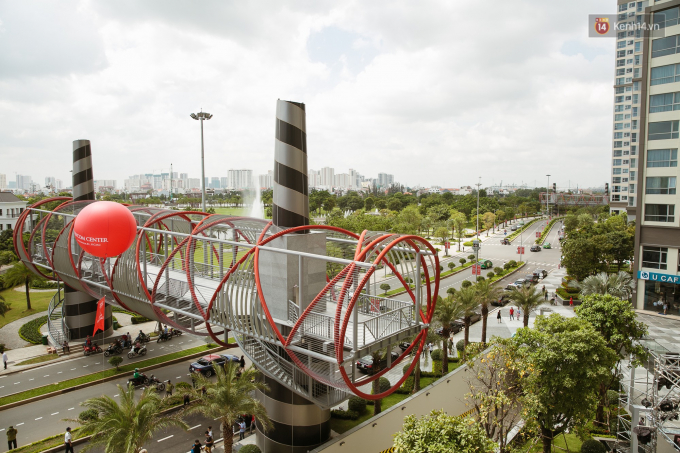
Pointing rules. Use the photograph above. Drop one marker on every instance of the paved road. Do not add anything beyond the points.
(44, 418)
(80, 365)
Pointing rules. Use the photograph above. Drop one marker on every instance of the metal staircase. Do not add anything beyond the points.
(57, 331)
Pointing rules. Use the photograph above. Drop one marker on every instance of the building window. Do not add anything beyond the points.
(662, 158)
(634, 124)
(654, 257)
(618, 126)
(633, 150)
(665, 74)
(617, 162)
(618, 108)
(637, 61)
(638, 47)
(664, 102)
(632, 176)
(616, 198)
(635, 112)
(621, 62)
(635, 98)
(633, 163)
(663, 130)
(618, 144)
(618, 99)
(620, 72)
(631, 188)
(621, 44)
(618, 135)
(663, 46)
(666, 18)
(620, 53)
(617, 153)
(616, 179)
(623, 7)
(616, 171)
(661, 185)
(660, 213)
(618, 117)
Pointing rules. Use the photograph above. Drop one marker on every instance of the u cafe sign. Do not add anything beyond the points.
(657, 277)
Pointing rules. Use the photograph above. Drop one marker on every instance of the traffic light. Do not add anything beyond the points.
(606, 189)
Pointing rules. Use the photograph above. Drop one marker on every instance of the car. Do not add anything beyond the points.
(505, 241)
(535, 248)
(456, 326)
(547, 245)
(522, 282)
(365, 364)
(531, 278)
(512, 286)
(513, 228)
(542, 273)
(485, 264)
(205, 365)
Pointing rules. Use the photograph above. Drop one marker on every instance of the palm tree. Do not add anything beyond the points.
(447, 310)
(488, 293)
(4, 306)
(528, 299)
(228, 397)
(19, 274)
(468, 299)
(126, 427)
(618, 285)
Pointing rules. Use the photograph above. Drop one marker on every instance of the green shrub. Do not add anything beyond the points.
(407, 387)
(462, 261)
(2, 348)
(252, 448)
(490, 275)
(383, 385)
(43, 284)
(183, 386)
(115, 361)
(405, 369)
(31, 330)
(87, 415)
(460, 345)
(344, 415)
(507, 266)
(356, 404)
(451, 265)
(139, 319)
(436, 354)
(471, 257)
(480, 278)
(451, 291)
(512, 263)
(612, 397)
(467, 244)
(498, 270)
(466, 284)
(593, 446)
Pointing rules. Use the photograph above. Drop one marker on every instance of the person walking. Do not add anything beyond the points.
(546, 295)
(242, 363)
(208, 442)
(499, 317)
(543, 289)
(571, 301)
(519, 314)
(196, 447)
(186, 400)
(210, 431)
(65, 348)
(665, 307)
(11, 438)
(5, 359)
(512, 314)
(241, 430)
(168, 388)
(68, 441)
(252, 424)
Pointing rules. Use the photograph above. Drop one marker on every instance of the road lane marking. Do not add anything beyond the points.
(17, 383)
(85, 366)
(72, 369)
(165, 438)
(47, 375)
(39, 418)
(55, 413)
(194, 427)
(116, 395)
(20, 424)
(71, 408)
(180, 377)
(59, 372)
(31, 379)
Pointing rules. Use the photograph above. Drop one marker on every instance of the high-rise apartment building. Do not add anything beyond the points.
(651, 168)
(342, 181)
(224, 182)
(314, 178)
(267, 181)
(240, 179)
(215, 183)
(50, 182)
(327, 177)
(24, 182)
(385, 180)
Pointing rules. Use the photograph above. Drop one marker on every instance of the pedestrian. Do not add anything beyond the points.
(186, 399)
(208, 442)
(11, 438)
(210, 431)
(168, 388)
(241, 430)
(88, 341)
(431, 349)
(512, 314)
(242, 363)
(204, 392)
(5, 359)
(546, 295)
(665, 307)
(499, 316)
(571, 301)
(519, 313)
(196, 447)
(543, 289)
(64, 348)
(68, 441)
(252, 424)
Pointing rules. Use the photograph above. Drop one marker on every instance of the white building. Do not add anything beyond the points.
(10, 208)
(342, 181)
(327, 177)
(267, 181)
(104, 185)
(24, 182)
(314, 178)
(385, 180)
(240, 179)
(3, 181)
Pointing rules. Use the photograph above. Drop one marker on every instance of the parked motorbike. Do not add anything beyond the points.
(143, 338)
(160, 386)
(176, 332)
(92, 349)
(135, 353)
(114, 348)
(164, 337)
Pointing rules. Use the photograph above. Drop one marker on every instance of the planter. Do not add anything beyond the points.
(559, 300)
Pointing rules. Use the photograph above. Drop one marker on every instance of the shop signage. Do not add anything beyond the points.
(657, 277)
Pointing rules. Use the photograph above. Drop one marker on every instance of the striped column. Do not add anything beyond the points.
(80, 309)
(83, 182)
(290, 204)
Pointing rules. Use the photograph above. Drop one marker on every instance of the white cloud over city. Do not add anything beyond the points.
(434, 92)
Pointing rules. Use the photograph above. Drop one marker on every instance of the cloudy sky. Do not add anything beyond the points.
(435, 92)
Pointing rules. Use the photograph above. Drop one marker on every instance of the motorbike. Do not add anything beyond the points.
(92, 349)
(176, 332)
(142, 338)
(148, 381)
(141, 351)
(141, 380)
(164, 337)
(114, 348)
(154, 381)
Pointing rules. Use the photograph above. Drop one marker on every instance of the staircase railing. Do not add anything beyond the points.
(57, 331)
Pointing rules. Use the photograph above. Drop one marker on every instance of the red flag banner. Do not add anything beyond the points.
(99, 321)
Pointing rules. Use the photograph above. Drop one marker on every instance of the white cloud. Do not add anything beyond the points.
(435, 92)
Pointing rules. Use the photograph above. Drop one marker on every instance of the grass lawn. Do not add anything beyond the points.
(39, 303)
(95, 376)
(39, 359)
(50, 442)
(233, 211)
(572, 444)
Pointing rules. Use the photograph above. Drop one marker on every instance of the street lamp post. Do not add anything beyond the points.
(202, 116)
(479, 184)
(547, 201)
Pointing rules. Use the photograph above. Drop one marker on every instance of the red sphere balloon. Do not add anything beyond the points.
(105, 229)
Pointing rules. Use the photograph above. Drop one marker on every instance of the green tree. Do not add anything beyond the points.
(468, 299)
(4, 306)
(616, 321)
(381, 204)
(329, 204)
(442, 233)
(581, 256)
(570, 223)
(411, 218)
(619, 285)
(394, 204)
(439, 213)
(19, 274)
(7, 257)
(126, 427)
(585, 220)
(438, 432)
(565, 361)
(446, 311)
(451, 265)
(115, 361)
(369, 203)
(488, 218)
(385, 287)
(458, 221)
(528, 298)
(487, 293)
(229, 397)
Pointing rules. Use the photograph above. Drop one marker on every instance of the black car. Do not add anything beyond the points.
(542, 273)
(531, 278)
(365, 364)
(205, 365)
(456, 327)
(535, 248)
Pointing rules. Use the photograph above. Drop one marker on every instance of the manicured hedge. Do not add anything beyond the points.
(139, 319)
(251, 448)
(344, 415)
(31, 330)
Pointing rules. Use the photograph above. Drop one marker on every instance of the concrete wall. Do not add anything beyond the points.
(376, 434)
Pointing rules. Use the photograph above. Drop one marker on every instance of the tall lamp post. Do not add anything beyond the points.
(202, 116)
(479, 184)
(547, 201)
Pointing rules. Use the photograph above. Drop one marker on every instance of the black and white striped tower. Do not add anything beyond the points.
(290, 204)
(80, 309)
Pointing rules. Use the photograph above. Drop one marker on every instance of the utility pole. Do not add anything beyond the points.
(479, 184)
(547, 201)
(171, 181)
